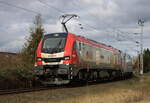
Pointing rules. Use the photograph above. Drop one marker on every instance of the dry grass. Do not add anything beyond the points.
(13, 74)
(9, 62)
(128, 91)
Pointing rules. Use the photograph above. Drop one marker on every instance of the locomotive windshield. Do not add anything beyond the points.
(54, 44)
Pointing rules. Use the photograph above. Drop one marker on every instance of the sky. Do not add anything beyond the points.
(113, 22)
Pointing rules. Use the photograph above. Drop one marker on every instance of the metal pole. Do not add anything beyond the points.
(138, 62)
(65, 19)
(141, 23)
(141, 72)
(138, 59)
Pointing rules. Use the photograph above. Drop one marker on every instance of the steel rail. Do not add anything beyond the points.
(22, 90)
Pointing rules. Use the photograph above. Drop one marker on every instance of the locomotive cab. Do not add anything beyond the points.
(53, 57)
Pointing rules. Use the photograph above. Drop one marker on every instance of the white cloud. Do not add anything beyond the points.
(13, 46)
(51, 28)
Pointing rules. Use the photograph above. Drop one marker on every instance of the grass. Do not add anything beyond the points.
(13, 73)
(128, 91)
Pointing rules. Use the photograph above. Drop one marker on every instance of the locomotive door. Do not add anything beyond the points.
(79, 50)
(75, 54)
(124, 62)
(97, 57)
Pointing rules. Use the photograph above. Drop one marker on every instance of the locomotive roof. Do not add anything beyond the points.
(56, 34)
(108, 47)
(102, 45)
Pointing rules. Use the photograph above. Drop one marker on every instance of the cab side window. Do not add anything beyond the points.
(75, 46)
(80, 46)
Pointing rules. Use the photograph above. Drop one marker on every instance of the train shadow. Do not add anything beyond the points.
(75, 84)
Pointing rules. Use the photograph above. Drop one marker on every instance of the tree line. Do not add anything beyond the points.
(146, 60)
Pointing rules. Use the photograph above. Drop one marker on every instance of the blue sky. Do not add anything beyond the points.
(106, 21)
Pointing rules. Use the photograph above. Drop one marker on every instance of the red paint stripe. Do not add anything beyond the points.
(38, 52)
(69, 47)
(82, 39)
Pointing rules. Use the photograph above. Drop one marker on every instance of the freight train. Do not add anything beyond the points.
(65, 57)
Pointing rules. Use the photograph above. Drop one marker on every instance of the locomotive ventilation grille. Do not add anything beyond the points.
(46, 60)
(51, 66)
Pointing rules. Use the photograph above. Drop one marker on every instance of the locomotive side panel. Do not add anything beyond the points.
(96, 57)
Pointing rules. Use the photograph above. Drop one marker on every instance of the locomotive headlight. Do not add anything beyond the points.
(39, 59)
(67, 58)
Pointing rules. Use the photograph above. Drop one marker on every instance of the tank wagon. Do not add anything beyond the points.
(65, 57)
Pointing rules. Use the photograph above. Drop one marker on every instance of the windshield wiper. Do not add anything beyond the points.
(47, 50)
(57, 46)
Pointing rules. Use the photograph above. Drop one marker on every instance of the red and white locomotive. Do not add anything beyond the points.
(64, 57)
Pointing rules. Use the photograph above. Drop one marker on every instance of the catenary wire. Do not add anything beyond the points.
(18, 7)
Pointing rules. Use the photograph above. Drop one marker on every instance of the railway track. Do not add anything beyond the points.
(22, 90)
(77, 84)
